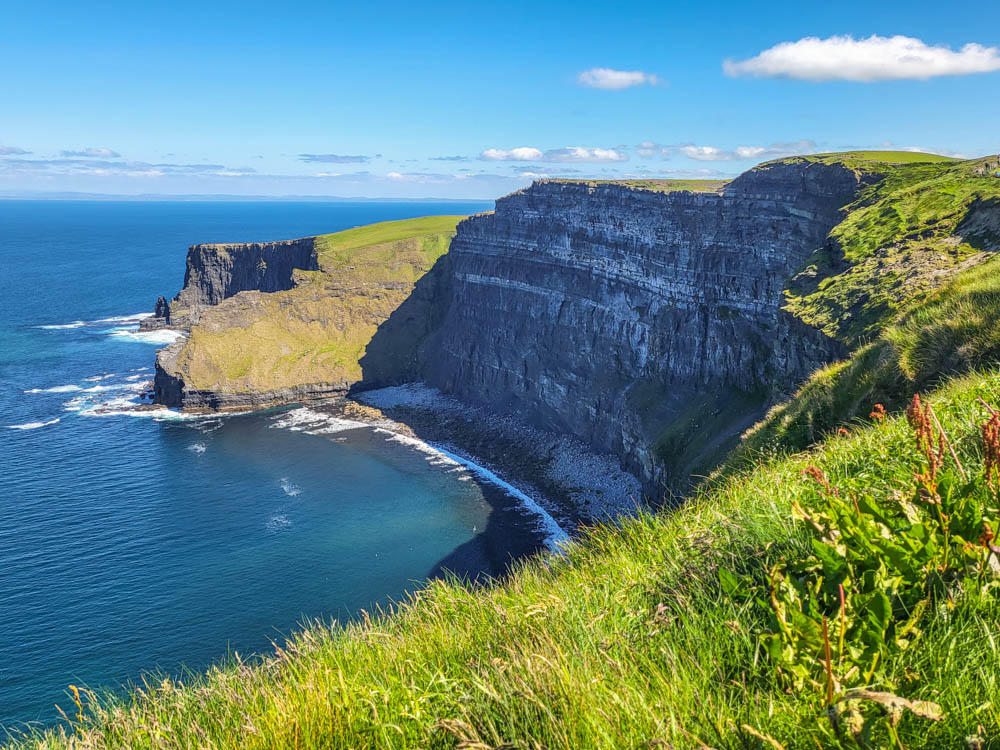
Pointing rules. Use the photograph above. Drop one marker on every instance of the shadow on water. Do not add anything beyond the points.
(510, 535)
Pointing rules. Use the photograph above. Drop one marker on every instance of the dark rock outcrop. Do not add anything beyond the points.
(215, 272)
(602, 311)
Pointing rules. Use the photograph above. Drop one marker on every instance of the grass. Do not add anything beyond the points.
(340, 247)
(908, 231)
(317, 332)
(952, 331)
(884, 157)
(626, 641)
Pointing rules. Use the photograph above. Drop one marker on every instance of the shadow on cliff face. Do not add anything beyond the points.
(394, 354)
(509, 536)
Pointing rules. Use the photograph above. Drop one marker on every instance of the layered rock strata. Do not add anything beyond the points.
(216, 272)
(605, 311)
(646, 324)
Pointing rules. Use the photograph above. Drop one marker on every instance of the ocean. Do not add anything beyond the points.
(131, 544)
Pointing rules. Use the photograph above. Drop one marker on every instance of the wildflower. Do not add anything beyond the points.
(842, 431)
(991, 452)
(919, 416)
(877, 413)
(817, 475)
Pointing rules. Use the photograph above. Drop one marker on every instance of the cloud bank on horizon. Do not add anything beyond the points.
(569, 154)
(877, 58)
(469, 140)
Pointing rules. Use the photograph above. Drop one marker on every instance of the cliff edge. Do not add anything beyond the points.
(651, 323)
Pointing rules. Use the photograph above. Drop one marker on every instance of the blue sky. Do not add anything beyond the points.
(385, 99)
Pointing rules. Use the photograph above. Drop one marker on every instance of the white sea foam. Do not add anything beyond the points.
(314, 422)
(555, 537)
(57, 389)
(304, 419)
(289, 488)
(124, 318)
(162, 336)
(74, 324)
(277, 522)
(554, 534)
(197, 448)
(32, 425)
(95, 378)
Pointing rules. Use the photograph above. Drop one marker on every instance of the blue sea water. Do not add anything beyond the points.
(130, 544)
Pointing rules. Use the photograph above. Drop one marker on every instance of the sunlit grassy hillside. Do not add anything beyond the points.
(317, 332)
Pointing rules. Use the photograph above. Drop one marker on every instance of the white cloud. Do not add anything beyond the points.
(774, 151)
(579, 154)
(105, 153)
(12, 151)
(649, 149)
(533, 175)
(394, 175)
(877, 58)
(561, 155)
(615, 80)
(515, 154)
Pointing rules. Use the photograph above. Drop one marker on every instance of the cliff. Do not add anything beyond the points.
(278, 322)
(215, 272)
(653, 324)
(606, 311)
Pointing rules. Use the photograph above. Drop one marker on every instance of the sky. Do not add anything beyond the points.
(474, 100)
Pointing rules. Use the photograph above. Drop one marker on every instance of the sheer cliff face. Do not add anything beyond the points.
(602, 310)
(218, 271)
(647, 324)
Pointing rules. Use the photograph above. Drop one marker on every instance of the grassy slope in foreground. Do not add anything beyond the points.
(318, 331)
(627, 641)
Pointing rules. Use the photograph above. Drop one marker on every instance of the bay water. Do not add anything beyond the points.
(130, 543)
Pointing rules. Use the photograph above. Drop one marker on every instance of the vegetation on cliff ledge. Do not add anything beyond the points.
(914, 226)
(317, 332)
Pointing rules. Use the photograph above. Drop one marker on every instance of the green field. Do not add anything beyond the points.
(660, 186)
(886, 157)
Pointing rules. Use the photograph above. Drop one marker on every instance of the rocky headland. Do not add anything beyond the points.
(650, 325)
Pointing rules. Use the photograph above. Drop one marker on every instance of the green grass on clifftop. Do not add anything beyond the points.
(318, 332)
(659, 186)
(626, 641)
(853, 158)
(915, 226)
(337, 248)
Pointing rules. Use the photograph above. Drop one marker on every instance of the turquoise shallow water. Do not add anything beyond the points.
(129, 544)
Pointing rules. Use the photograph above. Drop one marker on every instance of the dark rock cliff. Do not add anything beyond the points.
(646, 324)
(605, 311)
(215, 272)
